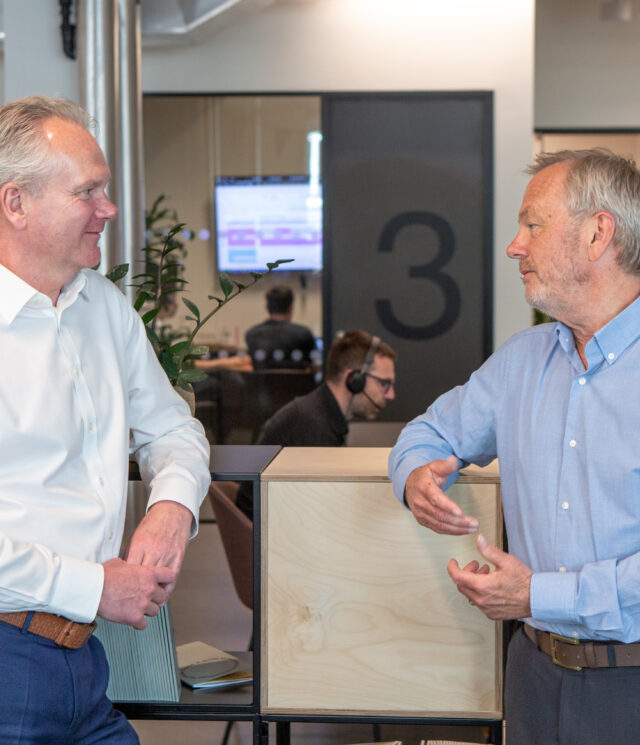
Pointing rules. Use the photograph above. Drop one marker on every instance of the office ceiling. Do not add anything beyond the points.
(186, 21)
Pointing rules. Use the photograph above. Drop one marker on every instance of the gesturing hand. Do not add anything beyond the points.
(430, 505)
(502, 594)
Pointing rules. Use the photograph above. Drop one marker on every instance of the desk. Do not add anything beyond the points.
(227, 463)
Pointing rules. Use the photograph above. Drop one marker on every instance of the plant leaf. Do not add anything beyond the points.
(192, 307)
(179, 347)
(141, 299)
(271, 265)
(192, 376)
(118, 272)
(150, 315)
(199, 350)
(226, 285)
(153, 338)
(168, 364)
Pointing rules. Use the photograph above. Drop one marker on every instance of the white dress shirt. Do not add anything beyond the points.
(81, 388)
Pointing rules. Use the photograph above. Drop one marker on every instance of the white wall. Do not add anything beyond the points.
(380, 45)
(34, 62)
(587, 69)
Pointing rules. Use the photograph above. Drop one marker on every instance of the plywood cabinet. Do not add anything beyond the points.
(359, 615)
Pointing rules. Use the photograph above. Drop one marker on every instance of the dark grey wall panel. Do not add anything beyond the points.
(407, 181)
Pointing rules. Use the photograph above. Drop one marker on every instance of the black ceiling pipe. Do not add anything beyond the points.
(68, 29)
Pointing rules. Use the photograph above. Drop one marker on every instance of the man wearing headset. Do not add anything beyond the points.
(359, 380)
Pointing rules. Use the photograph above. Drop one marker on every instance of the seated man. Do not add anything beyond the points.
(360, 379)
(277, 342)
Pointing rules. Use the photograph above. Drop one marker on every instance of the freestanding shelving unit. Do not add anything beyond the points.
(360, 620)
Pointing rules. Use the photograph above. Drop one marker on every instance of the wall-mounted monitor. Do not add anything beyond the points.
(261, 219)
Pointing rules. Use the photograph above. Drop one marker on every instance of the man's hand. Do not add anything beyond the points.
(161, 538)
(502, 594)
(429, 504)
(131, 592)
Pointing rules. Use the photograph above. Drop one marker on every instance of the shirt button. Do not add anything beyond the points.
(90, 426)
(610, 356)
(565, 505)
(75, 371)
(562, 569)
(582, 381)
(574, 634)
(111, 535)
(101, 481)
(572, 443)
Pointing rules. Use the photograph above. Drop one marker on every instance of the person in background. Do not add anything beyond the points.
(359, 381)
(80, 388)
(559, 405)
(279, 343)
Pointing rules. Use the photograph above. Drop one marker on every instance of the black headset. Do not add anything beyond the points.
(357, 379)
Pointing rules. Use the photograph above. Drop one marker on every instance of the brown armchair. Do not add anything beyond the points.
(236, 533)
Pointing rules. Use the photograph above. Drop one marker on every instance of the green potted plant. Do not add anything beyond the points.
(162, 279)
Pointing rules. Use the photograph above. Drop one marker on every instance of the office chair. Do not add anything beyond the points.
(236, 533)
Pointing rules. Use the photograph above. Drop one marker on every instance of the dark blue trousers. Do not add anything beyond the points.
(54, 696)
(549, 705)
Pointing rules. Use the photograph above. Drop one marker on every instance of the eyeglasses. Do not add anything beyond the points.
(386, 383)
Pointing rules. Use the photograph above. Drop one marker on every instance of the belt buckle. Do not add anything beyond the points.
(555, 638)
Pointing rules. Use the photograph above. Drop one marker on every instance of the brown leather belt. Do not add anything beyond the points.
(574, 654)
(62, 631)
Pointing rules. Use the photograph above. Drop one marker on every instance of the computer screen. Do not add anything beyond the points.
(264, 218)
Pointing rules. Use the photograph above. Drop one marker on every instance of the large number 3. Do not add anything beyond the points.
(430, 271)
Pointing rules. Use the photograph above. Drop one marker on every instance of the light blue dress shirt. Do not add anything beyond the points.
(568, 442)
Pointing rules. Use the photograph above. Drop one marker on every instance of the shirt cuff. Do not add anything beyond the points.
(78, 589)
(174, 488)
(553, 596)
(401, 473)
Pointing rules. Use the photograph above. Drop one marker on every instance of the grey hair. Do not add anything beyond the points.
(601, 180)
(25, 157)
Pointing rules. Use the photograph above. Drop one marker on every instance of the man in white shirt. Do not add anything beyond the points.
(79, 387)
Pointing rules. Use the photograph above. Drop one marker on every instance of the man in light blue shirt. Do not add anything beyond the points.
(559, 405)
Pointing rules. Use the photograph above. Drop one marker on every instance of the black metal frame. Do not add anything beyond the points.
(228, 463)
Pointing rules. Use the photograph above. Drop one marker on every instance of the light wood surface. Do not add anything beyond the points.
(350, 464)
(328, 464)
(359, 614)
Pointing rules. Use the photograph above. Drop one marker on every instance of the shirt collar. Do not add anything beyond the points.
(15, 293)
(77, 285)
(609, 342)
(621, 331)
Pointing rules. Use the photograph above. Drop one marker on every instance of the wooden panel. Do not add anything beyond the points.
(359, 614)
(328, 464)
(353, 464)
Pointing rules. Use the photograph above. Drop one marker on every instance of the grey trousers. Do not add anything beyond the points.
(548, 705)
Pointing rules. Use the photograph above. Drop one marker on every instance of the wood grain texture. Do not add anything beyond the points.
(359, 614)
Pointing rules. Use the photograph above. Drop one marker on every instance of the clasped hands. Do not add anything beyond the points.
(500, 594)
(140, 584)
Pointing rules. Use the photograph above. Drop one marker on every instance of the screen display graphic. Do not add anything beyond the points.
(261, 219)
